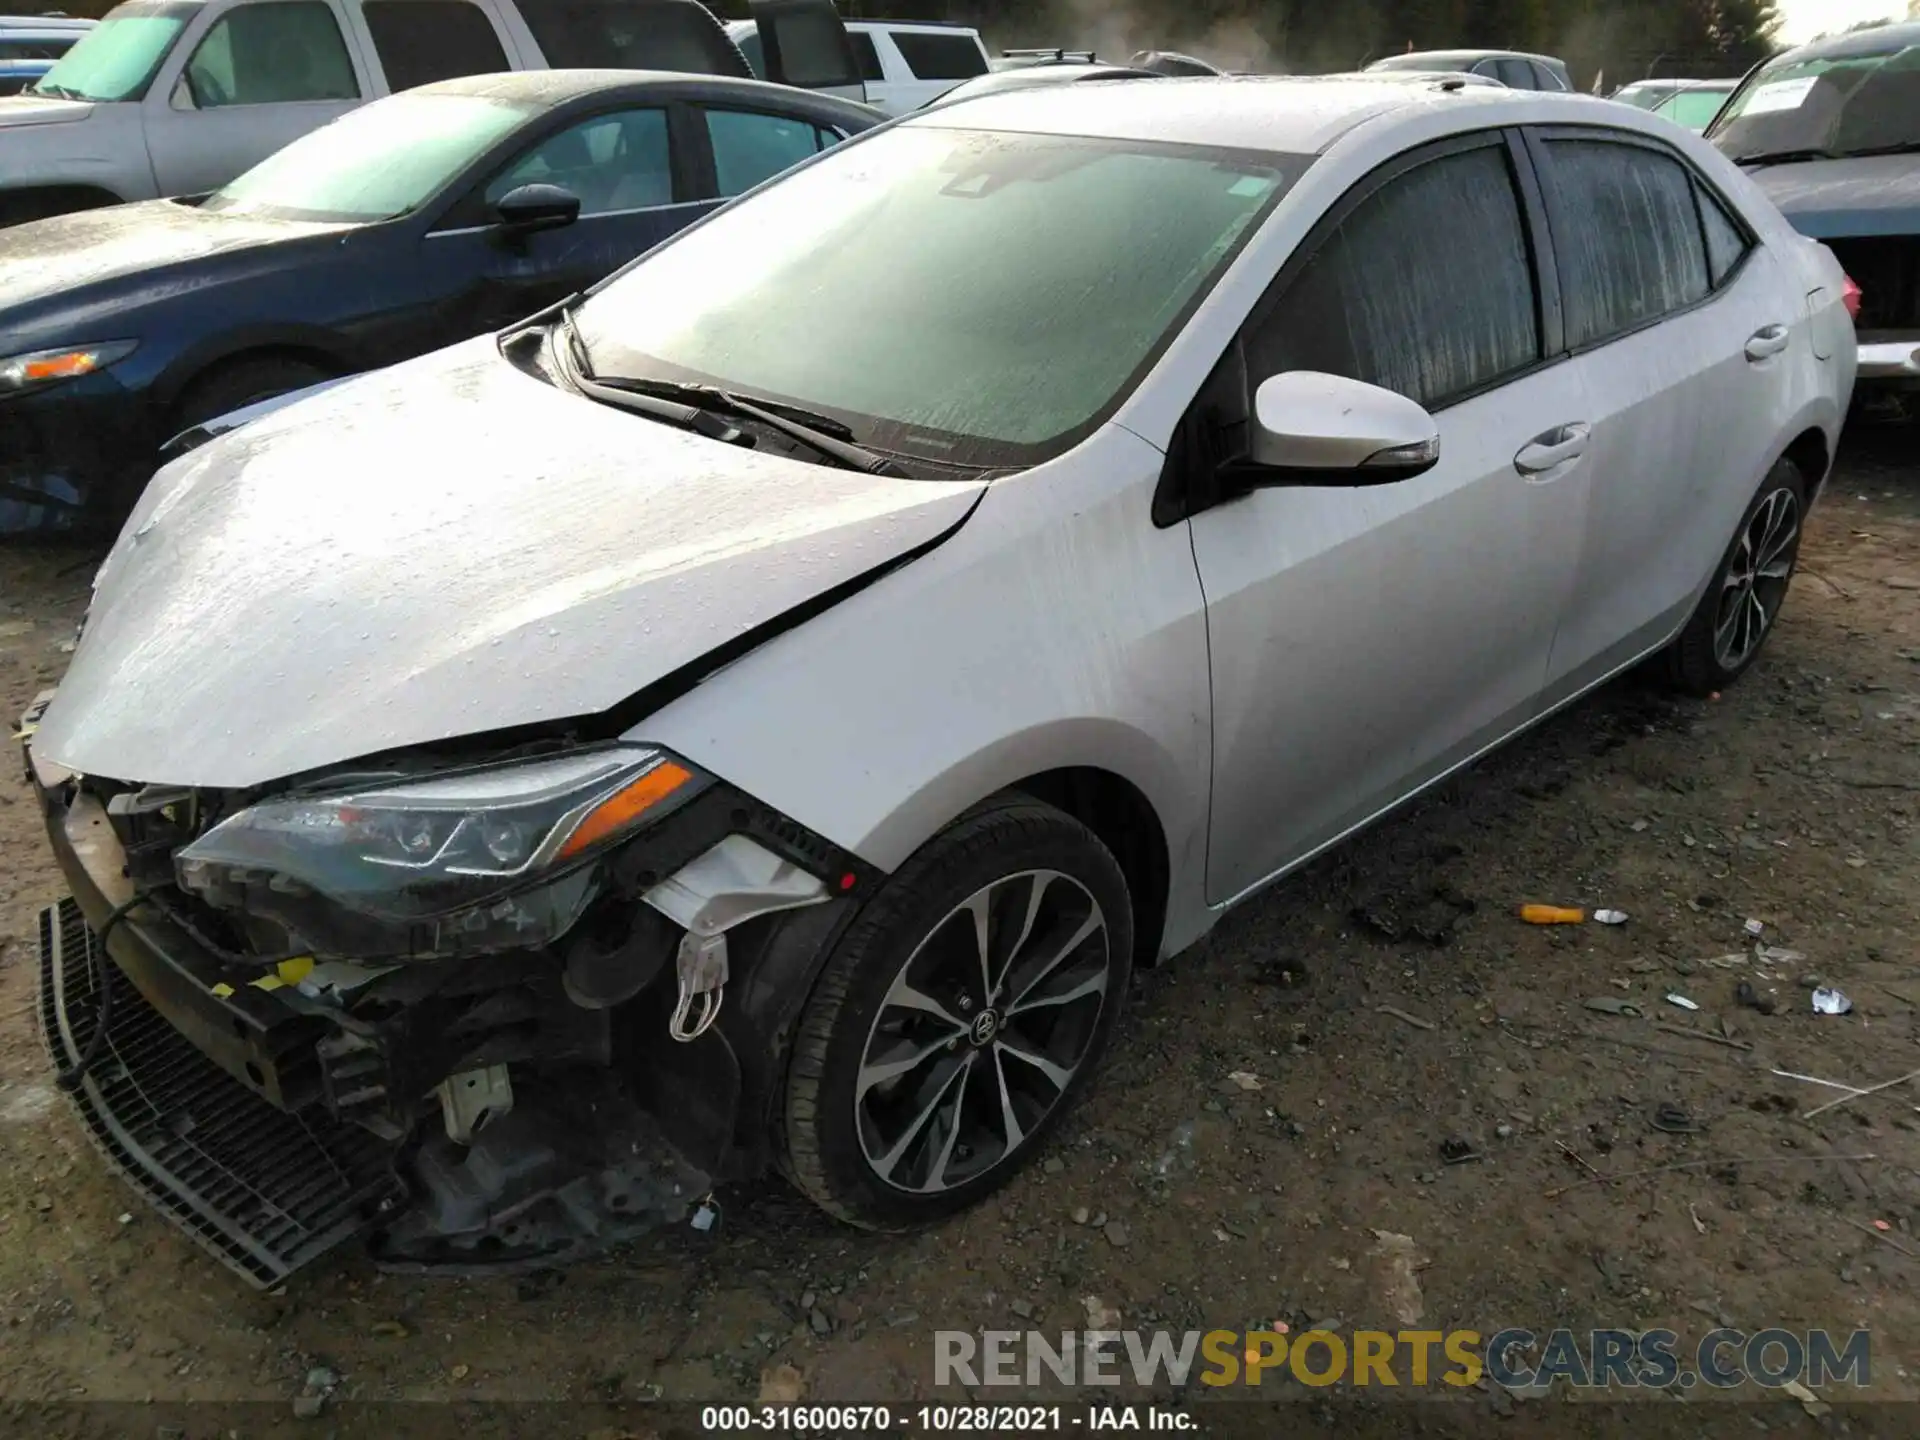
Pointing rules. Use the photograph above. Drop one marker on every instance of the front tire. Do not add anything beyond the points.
(1743, 600)
(959, 1018)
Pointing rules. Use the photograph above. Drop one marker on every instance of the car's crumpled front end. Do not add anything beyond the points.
(472, 1008)
(385, 916)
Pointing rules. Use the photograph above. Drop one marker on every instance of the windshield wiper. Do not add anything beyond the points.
(58, 92)
(1784, 157)
(579, 373)
(818, 433)
(1903, 147)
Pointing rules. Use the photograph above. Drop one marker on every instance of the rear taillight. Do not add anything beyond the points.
(1850, 297)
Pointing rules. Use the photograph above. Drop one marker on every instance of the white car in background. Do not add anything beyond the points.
(903, 65)
(177, 97)
(759, 714)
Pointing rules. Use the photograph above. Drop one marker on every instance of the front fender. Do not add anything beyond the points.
(1059, 629)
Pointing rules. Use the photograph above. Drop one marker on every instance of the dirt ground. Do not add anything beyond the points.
(1179, 1198)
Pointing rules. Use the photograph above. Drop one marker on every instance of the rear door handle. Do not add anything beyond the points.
(1769, 342)
(1553, 449)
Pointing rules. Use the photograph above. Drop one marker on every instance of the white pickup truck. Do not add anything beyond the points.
(177, 97)
(904, 64)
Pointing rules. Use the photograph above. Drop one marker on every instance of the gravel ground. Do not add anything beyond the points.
(1380, 1005)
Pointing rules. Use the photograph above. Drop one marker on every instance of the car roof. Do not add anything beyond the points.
(550, 89)
(1456, 57)
(52, 24)
(1295, 115)
(1877, 41)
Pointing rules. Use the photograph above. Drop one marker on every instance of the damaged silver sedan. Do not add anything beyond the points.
(757, 715)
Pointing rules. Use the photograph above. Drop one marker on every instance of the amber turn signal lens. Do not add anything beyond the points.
(625, 806)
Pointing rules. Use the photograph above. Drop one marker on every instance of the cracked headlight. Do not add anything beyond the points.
(479, 860)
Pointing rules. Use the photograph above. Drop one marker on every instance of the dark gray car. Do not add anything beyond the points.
(1832, 132)
(1512, 68)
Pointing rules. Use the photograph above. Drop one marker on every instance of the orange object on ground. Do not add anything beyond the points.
(1552, 915)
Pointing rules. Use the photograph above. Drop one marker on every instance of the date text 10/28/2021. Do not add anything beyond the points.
(941, 1419)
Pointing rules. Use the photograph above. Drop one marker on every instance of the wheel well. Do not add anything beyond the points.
(303, 354)
(1125, 821)
(1809, 452)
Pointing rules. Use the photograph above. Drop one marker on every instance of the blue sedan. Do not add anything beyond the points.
(408, 224)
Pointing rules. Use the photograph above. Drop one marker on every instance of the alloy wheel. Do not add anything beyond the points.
(982, 1031)
(1755, 581)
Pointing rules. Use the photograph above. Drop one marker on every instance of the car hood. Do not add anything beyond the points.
(45, 259)
(1840, 199)
(41, 110)
(438, 550)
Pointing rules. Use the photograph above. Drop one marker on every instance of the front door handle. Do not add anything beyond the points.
(1769, 342)
(1553, 449)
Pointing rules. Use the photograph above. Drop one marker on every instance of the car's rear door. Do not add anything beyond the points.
(1366, 640)
(804, 43)
(628, 169)
(733, 146)
(1686, 331)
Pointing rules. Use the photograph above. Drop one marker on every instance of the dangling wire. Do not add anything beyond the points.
(70, 1077)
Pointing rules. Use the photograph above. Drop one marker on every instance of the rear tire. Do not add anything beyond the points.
(1742, 602)
(241, 382)
(923, 1077)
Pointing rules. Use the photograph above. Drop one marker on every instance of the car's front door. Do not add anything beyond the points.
(258, 77)
(1684, 331)
(1365, 640)
(619, 164)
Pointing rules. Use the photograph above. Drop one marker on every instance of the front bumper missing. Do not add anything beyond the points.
(261, 1190)
(210, 1094)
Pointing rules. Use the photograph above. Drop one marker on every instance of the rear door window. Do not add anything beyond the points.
(1425, 288)
(1545, 78)
(940, 57)
(1626, 233)
(421, 41)
(632, 35)
(751, 146)
(271, 53)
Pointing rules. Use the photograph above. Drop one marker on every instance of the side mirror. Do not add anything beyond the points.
(527, 208)
(1314, 429)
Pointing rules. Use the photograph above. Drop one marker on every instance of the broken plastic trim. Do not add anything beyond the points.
(735, 881)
